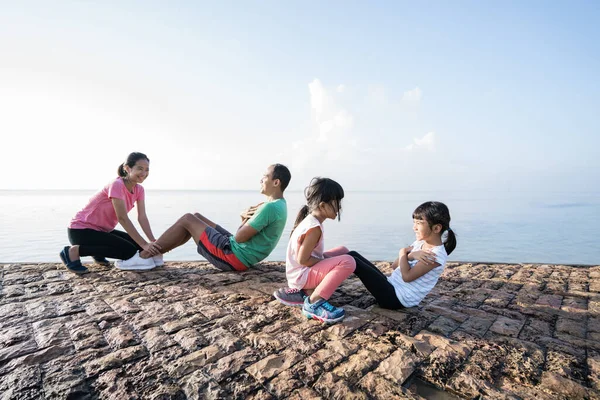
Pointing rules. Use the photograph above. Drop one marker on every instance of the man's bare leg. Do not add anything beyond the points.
(186, 227)
(206, 220)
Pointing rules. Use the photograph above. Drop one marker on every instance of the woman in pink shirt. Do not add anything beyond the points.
(92, 231)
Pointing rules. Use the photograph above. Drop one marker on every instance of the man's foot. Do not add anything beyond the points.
(322, 311)
(73, 266)
(135, 263)
(158, 260)
(290, 297)
(102, 261)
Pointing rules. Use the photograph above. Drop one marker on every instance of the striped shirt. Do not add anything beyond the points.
(411, 293)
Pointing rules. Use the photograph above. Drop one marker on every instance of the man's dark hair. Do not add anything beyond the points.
(282, 173)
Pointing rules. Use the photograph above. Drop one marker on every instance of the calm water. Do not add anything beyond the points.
(503, 227)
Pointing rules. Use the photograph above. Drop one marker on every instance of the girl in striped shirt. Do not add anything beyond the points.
(418, 267)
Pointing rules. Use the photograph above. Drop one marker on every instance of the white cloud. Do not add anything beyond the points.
(341, 88)
(332, 120)
(427, 142)
(412, 96)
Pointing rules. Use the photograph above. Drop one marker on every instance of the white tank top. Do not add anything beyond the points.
(411, 293)
(297, 274)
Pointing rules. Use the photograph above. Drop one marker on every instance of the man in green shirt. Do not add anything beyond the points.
(261, 229)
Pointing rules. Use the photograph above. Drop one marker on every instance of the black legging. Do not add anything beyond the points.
(376, 282)
(114, 244)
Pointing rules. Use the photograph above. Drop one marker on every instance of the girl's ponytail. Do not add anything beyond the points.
(450, 243)
(301, 215)
(435, 213)
(121, 171)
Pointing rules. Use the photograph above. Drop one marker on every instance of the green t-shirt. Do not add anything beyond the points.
(269, 220)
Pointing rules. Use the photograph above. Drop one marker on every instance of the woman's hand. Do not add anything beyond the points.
(153, 248)
(426, 256)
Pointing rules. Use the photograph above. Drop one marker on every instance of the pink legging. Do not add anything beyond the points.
(328, 274)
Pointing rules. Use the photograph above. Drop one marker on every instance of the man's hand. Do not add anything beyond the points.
(249, 212)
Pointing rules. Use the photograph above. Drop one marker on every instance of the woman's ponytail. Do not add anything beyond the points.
(121, 171)
(301, 215)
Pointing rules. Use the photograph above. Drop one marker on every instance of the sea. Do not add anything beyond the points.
(504, 227)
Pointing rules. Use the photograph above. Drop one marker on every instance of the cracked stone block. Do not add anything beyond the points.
(40, 309)
(273, 365)
(194, 361)
(231, 364)
(137, 381)
(381, 389)
(445, 311)
(97, 307)
(239, 385)
(552, 301)
(557, 384)
(156, 339)
(472, 387)
(114, 360)
(304, 394)
(125, 306)
(357, 365)
(283, 384)
(190, 339)
(507, 326)
(355, 318)
(523, 361)
(12, 311)
(198, 386)
(11, 335)
(440, 366)
(477, 326)
(17, 350)
(534, 329)
(571, 327)
(22, 383)
(443, 325)
(397, 367)
(65, 379)
(120, 337)
(567, 365)
(175, 326)
(332, 386)
(48, 332)
(264, 342)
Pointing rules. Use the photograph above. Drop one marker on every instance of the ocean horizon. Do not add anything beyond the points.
(554, 227)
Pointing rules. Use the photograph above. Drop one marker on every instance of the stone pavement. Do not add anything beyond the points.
(187, 330)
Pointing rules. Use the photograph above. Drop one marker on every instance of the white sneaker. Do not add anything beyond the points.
(135, 263)
(158, 260)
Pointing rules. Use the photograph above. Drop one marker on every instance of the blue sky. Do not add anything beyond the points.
(379, 95)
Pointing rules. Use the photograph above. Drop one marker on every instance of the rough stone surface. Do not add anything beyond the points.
(190, 331)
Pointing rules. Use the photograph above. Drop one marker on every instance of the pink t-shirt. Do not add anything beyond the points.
(99, 213)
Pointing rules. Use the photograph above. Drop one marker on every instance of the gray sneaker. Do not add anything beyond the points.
(290, 297)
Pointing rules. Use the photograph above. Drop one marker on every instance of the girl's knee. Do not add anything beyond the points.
(344, 249)
(348, 262)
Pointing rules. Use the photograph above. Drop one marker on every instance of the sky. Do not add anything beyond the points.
(382, 95)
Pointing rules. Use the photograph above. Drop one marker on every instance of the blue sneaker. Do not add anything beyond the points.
(73, 266)
(101, 261)
(322, 311)
(290, 297)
